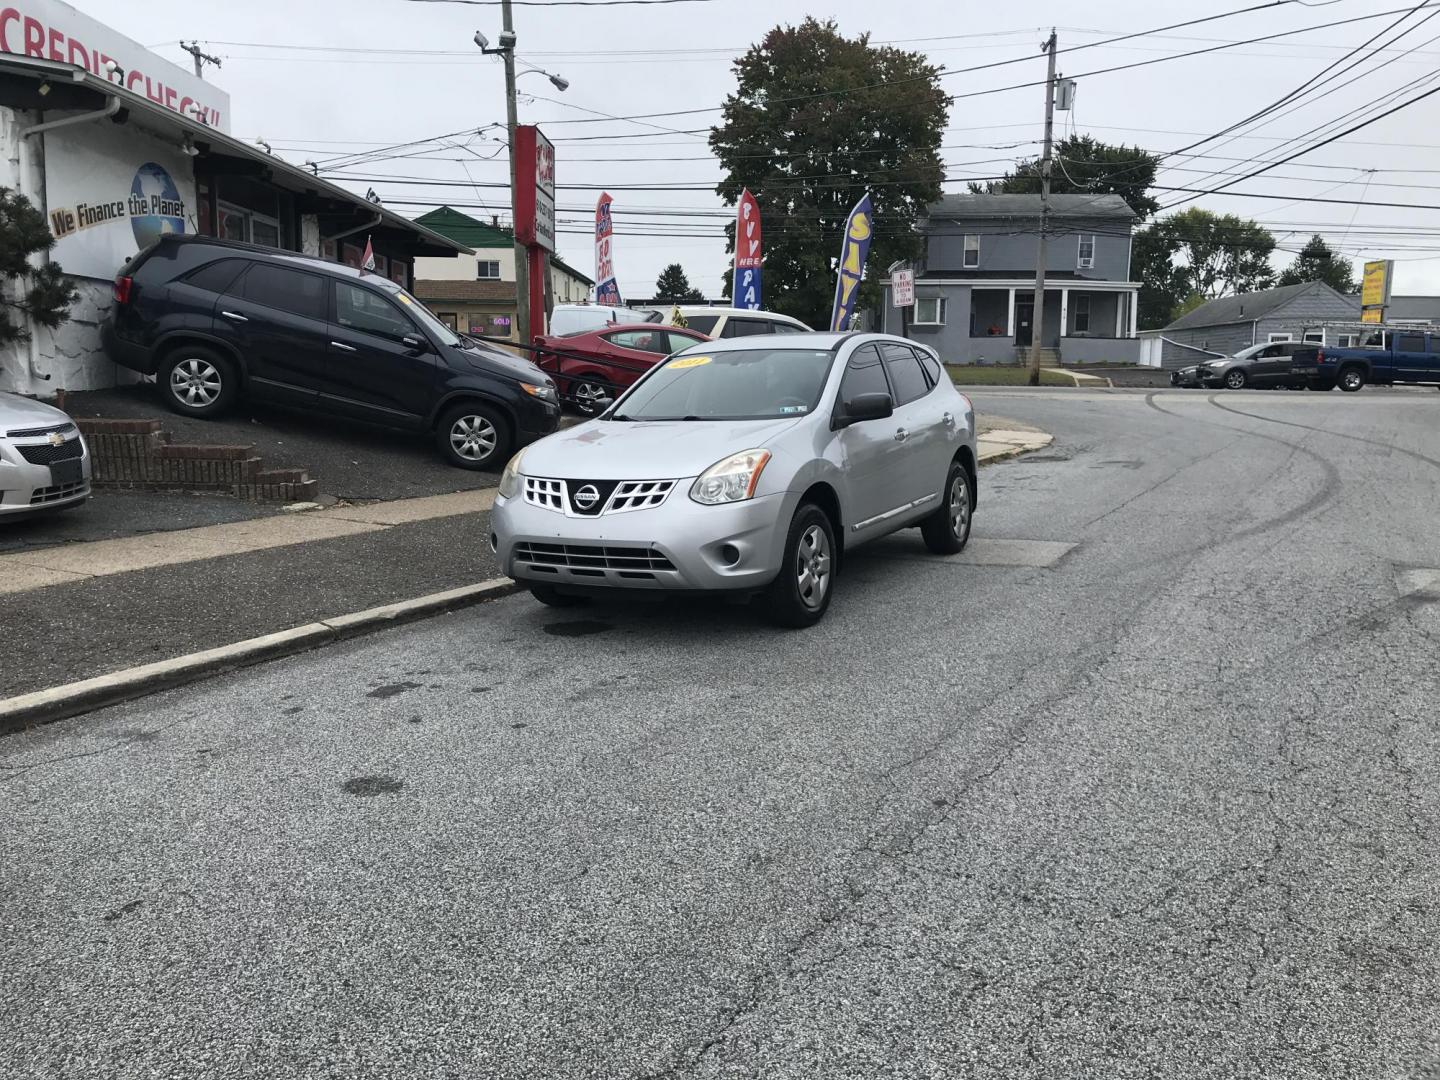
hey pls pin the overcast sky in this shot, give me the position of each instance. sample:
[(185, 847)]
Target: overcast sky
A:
[(626, 60)]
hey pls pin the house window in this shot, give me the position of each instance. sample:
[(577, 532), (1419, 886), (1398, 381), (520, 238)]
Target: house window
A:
[(1086, 258), (1346, 341), (929, 311), (972, 252), (1314, 337), (1280, 337), (246, 225), (1082, 314), (488, 270)]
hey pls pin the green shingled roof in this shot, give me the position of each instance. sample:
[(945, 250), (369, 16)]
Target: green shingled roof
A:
[(464, 229)]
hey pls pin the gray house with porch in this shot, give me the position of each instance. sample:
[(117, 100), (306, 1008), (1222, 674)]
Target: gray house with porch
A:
[(1224, 326), (975, 287)]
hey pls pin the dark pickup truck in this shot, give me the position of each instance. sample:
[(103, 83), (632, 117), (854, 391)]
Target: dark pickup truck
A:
[(1390, 356)]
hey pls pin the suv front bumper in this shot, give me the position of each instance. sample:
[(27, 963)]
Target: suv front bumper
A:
[(679, 545)]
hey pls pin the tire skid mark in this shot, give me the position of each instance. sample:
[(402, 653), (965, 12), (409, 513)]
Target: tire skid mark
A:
[(1326, 431)]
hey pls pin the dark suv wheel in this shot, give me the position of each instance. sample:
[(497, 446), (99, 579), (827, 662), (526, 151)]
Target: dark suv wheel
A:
[(197, 381), (473, 435)]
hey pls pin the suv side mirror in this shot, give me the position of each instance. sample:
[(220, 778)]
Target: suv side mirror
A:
[(862, 407), (416, 342)]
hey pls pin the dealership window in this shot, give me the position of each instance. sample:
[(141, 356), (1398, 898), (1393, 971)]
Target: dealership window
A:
[(488, 270), (1086, 257), (972, 251), (1280, 337), (248, 226), (449, 319), (1082, 314), (929, 311)]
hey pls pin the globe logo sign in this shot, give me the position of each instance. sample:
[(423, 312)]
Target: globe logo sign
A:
[(156, 207)]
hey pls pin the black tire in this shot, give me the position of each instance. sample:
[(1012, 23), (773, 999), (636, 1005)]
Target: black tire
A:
[(1235, 380), (473, 435), (790, 601), (947, 530), (553, 597), (194, 380), (1352, 379)]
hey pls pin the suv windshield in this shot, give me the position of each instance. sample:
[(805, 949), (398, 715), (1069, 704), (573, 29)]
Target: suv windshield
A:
[(421, 313), (748, 384)]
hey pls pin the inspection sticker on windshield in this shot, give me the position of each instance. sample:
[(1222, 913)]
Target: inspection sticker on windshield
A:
[(690, 361), (792, 408)]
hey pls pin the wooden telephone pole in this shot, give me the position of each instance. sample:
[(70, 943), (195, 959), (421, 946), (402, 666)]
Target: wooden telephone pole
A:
[(1037, 321)]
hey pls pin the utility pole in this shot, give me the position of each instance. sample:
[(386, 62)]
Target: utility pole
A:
[(522, 256), (1037, 320), (201, 58)]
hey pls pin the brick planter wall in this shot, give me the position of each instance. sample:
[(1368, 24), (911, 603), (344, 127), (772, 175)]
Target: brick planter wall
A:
[(139, 454)]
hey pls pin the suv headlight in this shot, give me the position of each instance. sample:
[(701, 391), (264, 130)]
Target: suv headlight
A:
[(544, 393), (510, 478), (731, 479)]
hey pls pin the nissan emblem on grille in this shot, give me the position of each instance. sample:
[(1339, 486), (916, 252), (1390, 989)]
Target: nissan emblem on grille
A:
[(587, 497)]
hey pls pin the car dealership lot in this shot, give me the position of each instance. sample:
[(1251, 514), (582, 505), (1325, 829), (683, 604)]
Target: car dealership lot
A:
[(989, 819)]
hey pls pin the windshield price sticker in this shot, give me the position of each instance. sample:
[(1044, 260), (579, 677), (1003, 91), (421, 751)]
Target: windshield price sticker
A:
[(689, 362)]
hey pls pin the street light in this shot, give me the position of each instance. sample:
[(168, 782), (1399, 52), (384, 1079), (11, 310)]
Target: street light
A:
[(505, 49), (558, 81)]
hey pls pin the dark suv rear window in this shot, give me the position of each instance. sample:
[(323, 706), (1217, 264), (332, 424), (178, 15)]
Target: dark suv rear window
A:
[(286, 290), (215, 277)]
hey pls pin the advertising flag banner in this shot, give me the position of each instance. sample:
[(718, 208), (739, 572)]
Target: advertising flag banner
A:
[(859, 228), (367, 261), (745, 288), (606, 290)]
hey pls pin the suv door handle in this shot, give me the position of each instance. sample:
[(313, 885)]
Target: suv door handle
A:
[(901, 434), (235, 316), (346, 348)]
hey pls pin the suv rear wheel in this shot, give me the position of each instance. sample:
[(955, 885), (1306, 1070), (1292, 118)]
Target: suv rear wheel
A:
[(197, 381), (473, 435), (947, 530)]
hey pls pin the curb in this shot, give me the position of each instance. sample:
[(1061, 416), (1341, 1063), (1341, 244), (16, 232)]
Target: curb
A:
[(71, 699)]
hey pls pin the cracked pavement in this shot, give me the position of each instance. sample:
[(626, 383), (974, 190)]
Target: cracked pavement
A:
[(1168, 808)]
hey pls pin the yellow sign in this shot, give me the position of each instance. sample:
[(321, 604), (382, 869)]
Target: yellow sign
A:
[(1371, 314), (1375, 285), (688, 362)]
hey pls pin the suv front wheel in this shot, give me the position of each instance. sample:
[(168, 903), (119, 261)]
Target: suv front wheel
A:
[(473, 435), (197, 381)]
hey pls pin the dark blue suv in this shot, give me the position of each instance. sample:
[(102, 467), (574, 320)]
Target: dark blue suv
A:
[(214, 319)]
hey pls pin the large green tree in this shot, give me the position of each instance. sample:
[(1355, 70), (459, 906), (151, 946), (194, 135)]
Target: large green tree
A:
[(1084, 165), (1222, 254), (816, 120), (1317, 261), (42, 293), (1163, 282), (672, 284)]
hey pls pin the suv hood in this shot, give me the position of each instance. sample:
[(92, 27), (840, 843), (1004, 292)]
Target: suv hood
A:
[(647, 449), (496, 362)]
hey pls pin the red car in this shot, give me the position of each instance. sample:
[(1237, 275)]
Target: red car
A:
[(595, 364)]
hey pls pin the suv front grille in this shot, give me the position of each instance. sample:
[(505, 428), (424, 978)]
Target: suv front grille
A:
[(37, 432), (606, 496), (45, 454), (584, 557)]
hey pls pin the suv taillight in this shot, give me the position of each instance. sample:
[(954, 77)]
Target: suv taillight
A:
[(123, 285)]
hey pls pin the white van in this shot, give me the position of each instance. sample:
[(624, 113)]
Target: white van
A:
[(578, 318), (725, 322)]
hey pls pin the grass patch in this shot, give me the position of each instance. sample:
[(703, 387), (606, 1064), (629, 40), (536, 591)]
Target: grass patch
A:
[(1007, 375)]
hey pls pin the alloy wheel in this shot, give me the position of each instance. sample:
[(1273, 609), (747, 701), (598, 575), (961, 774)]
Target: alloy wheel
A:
[(473, 437), (587, 397), (1235, 380), (812, 567), (959, 507), (195, 383)]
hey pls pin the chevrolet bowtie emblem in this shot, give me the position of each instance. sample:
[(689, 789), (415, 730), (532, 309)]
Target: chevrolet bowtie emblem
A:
[(56, 439)]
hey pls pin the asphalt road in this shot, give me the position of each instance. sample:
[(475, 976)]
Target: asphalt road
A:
[(1165, 808)]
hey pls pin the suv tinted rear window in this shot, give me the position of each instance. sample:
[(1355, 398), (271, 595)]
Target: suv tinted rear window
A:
[(215, 277), (284, 289), (701, 324), (906, 374)]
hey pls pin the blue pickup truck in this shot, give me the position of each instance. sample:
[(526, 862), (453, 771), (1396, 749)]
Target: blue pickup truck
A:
[(1388, 356)]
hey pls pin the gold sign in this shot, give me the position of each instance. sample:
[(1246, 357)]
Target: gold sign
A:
[(1371, 314)]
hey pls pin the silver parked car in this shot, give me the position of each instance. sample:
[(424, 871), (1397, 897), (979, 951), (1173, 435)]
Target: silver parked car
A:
[(752, 465), (44, 463)]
